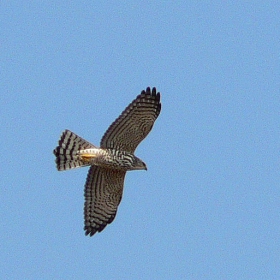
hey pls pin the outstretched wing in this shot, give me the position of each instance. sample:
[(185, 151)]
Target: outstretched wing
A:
[(134, 123), (103, 193)]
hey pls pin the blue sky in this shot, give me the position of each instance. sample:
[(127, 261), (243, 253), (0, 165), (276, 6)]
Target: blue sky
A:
[(208, 206)]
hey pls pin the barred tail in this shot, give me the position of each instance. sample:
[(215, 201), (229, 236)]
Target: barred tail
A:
[(67, 151)]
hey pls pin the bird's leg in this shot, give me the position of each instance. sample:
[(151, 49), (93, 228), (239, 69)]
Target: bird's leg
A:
[(88, 154)]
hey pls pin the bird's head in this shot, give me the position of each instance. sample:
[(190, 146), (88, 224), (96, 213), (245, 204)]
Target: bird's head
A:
[(138, 164)]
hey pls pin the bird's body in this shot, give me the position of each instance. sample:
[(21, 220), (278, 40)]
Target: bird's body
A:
[(107, 158), (111, 158), (109, 163)]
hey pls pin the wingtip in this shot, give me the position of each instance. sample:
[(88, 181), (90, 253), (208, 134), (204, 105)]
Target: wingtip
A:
[(89, 231), (158, 96), (152, 92)]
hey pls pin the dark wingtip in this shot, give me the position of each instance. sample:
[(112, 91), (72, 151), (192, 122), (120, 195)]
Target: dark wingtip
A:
[(157, 96), (89, 231), (152, 92)]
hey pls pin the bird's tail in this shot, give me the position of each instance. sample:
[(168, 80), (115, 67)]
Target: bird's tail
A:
[(67, 151)]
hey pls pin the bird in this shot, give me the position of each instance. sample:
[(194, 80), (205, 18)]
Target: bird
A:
[(109, 163)]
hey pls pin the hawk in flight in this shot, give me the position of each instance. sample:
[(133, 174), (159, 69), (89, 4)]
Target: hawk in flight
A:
[(109, 163)]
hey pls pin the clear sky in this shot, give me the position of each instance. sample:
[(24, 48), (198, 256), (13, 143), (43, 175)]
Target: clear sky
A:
[(209, 205)]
